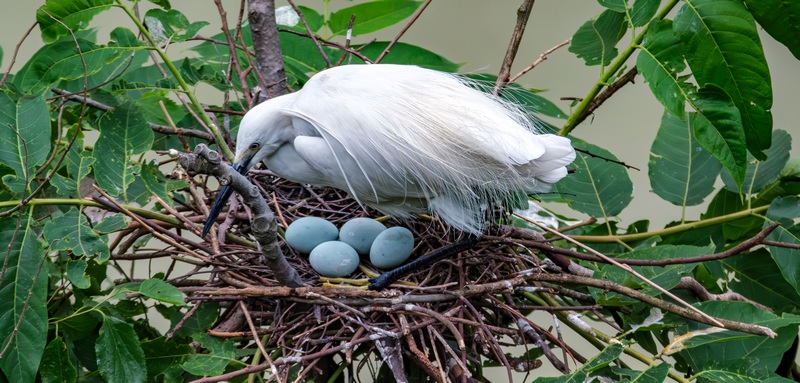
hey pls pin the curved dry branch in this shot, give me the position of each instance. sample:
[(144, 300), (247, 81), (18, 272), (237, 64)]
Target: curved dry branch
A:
[(264, 226)]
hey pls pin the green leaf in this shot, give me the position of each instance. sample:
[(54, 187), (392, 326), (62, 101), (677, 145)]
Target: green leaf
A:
[(220, 352), (203, 318), (62, 60), (403, 53), (123, 133), (24, 137), (162, 3), (660, 60), (595, 41), (58, 18), (759, 352), (718, 129), (119, 354), (78, 164), (655, 374), (721, 44), (781, 19), (761, 173), (643, 11), (758, 277), (158, 184), (639, 13), (598, 187), (371, 16), (162, 291), (56, 366), (727, 202), (664, 276), (164, 357), (784, 211), (169, 26), (76, 273), (614, 5), (111, 224), (603, 359), (23, 293), (680, 171), (71, 231)]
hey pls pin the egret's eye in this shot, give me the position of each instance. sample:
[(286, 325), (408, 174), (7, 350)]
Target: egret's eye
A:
[(254, 146)]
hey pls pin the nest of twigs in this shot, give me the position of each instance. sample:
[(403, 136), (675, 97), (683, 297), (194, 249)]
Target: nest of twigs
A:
[(444, 322)]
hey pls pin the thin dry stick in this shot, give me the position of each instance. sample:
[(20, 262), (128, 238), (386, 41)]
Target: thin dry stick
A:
[(16, 51), (414, 18), (538, 61), (311, 34), (523, 14), (263, 350), (152, 230), (626, 268)]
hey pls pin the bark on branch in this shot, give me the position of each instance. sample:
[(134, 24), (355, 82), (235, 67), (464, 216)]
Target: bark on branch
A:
[(263, 226)]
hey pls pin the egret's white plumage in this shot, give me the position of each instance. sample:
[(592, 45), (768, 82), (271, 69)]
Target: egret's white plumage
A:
[(403, 140)]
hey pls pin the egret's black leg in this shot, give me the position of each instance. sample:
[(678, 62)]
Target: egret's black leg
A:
[(384, 280)]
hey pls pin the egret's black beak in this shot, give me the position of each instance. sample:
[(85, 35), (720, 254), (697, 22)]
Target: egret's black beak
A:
[(223, 196)]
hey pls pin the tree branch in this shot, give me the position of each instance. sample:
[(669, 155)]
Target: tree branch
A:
[(269, 59), (523, 14), (264, 226)]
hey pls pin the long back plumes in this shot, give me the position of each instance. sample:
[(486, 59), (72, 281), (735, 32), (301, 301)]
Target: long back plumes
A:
[(421, 135)]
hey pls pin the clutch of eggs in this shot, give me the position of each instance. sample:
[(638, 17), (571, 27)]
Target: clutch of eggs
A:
[(335, 253)]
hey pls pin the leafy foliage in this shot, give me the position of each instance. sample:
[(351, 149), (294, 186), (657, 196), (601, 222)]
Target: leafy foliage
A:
[(78, 298)]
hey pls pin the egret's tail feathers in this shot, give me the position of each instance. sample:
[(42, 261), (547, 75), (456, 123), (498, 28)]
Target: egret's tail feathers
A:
[(451, 210), (551, 166)]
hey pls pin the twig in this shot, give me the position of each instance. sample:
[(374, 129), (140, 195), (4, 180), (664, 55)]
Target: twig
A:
[(410, 22), (692, 284), (523, 14), (156, 128), (256, 339), (234, 58), (609, 91), (311, 34), (538, 61), (626, 268), (16, 51)]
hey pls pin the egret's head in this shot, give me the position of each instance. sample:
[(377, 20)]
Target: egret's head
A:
[(261, 132)]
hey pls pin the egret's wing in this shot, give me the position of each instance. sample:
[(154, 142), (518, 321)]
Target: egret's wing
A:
[(410, 131)]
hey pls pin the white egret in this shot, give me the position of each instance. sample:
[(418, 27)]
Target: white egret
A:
[(404, 140)]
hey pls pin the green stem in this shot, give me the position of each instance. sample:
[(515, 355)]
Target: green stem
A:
[(612, 70), (149, 214), (671, 230), (89, 203), (198, 107), (600, 340)]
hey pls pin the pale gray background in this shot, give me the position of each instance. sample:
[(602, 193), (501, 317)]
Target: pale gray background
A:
[(476, 33)]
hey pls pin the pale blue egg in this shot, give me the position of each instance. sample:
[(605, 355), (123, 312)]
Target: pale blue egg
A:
[(360, 233), (304, 234), (334, 259), (391, 248)]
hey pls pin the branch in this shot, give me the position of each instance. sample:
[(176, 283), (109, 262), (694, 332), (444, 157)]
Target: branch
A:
[(694, 286), (580, 110), (264, 226), (163, 129), (414, 18), (609, 91), (523, 14), (269, 60)]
